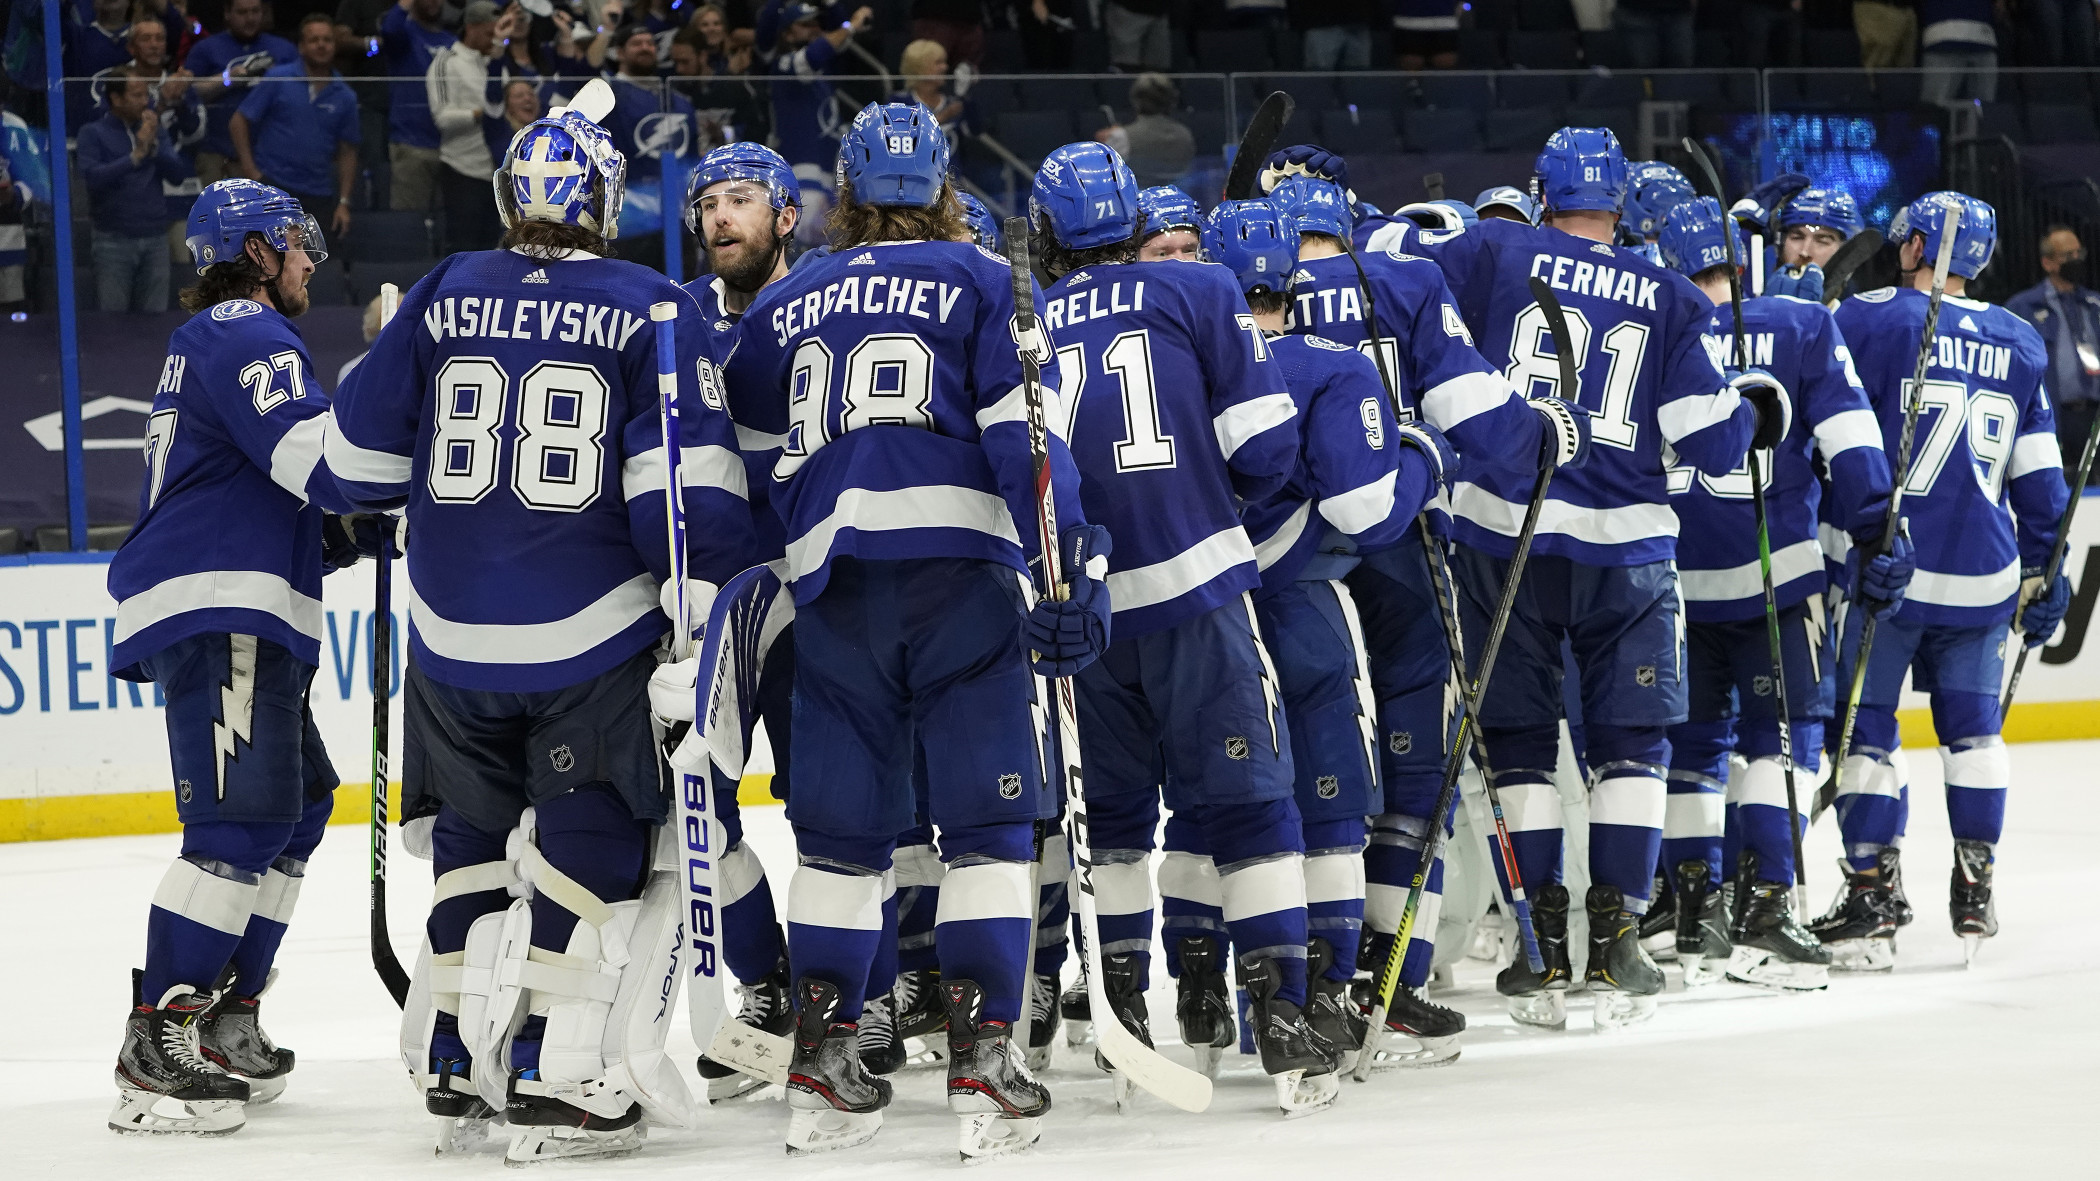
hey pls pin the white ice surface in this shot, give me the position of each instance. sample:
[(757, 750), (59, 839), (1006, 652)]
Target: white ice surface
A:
[(1931, 1072)]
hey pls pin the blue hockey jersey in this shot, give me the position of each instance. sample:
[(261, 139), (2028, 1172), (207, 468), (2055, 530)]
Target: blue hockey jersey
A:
[(889, 377), (512, 405), (1178, 411), (1349, 467), (1985, 441), (229, 527), (1719, 578), (769, 534), (1645, 375)]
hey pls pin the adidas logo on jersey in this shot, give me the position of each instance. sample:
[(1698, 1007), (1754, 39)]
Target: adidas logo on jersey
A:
[(1303, 276), (1969, 322), (537, 276), (863, 259), (1601, 248)]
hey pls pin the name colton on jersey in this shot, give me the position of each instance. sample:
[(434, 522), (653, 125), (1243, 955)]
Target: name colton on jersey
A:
[(1595, 279), (497, 318)]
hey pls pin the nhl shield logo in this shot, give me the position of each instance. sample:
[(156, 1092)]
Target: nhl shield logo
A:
[(1400, 742), (1010, 786), (1761, 685), (564, 758), (1236, 747), (1644, 676), (1327, 787), (182, 792)]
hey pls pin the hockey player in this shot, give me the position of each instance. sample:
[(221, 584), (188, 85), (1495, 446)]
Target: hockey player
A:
[(1811, 227), (1728, 668), (1365, 476), (512, 405), (1423, 346), (1653, 188), (1600, 575), (907, 488), (984, 228), (218, 591), (1177, 410), (1174, 225), (1372, 230), (1983, 495)]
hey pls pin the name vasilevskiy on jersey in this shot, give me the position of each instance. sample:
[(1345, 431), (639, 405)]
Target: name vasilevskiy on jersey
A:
[(563, 320), (1595, 280), (858, 293)]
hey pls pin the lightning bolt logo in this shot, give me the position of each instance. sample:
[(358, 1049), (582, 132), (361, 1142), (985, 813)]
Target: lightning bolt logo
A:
[(236, 720)]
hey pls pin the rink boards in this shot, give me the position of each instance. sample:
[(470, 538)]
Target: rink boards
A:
[(84, 754)]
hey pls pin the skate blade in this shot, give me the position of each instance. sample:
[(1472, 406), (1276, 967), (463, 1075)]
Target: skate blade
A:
[(1618, 1010), (539, 1144), (461, 1136), (1547, 1010), (1661, 948), (988, 1134), (148, 1113), (1078, 1031), (827, 1129), (1759, 968), (1970, 945), (733, 1086), (1208, 1060), (1300, 1094), (264, 1090), (1400, 1050), (1700, 970), (925, 1051), (1862, 955)]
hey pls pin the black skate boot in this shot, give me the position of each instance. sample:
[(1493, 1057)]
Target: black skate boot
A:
[(920, 1016), (1702, 929), (1126, 1002), (1541, 998), (1001, 1104), (1306, 1068), (1735, 894), (1327, 1006), (231, 1034), (1890, 862), (1859, 930), (832, 1099), (1203, 1003), (1969, 897), (1775, 951), (1076, 1009), (1413, 1017), (765, 1006), (467, 1117), (881, 1050), (1621, 976), (1370, 968), (1659, 925), (1042, 1021), (160, 1066)]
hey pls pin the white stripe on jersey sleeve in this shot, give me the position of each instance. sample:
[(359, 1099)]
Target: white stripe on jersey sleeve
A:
[(1845, 430), (250, 590), (1165, 581), (698, 467), (930, 506), (2037, 452), (1597, 526), (351, 462), (293, 460), (1360, 508), (1965, 590), (536, 643), (1464, 396), (1270, 550), (1696, 412), (1836, 543), (1014, 408), (1244, 421), (1746, 581), (748, 440)]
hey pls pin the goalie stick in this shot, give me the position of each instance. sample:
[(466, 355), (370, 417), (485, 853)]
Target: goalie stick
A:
[(384, 961), (1256, 143)]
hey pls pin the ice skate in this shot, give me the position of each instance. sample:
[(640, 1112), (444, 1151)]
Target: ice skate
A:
[(1621, 976), (1042, 1021), (231, 1034), (1777, 952), (833, 1101), (765, 1006), (881, 1050), (165, 1083), (1701, 936), (1076, 1010), (1126, 1001), (1001, 1104), (465, 1120), (1969, 901), (920, 1017), (1328, 1008), (1890, 862), (545, 1129), (1541, 999), (1203, 1003), (1306, 1070), (1431, 1028), (1659, 925), (1859, 930)]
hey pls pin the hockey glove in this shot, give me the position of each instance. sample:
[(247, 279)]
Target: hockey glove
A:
[(1804, 282), (338, 548), (1443, 461), (1567, 434), (1064, 636), (1758, 211), (1886, 578), (1305, 160), (699, 599), (1775, 410), (2041, 609), (671, 689)]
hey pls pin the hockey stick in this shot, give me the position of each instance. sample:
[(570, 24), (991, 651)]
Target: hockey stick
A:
[(1468, 725), (2057, 554), (1454, 638), (1256, 143), (1914, 405), (1433, 184), (1849, 258), (1140, 1063), (384, 961), (1774, 645)]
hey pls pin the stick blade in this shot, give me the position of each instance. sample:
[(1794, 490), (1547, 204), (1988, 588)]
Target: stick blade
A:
[(1150, 1070), (1848, 259), (1256, 144), (753, 1051)]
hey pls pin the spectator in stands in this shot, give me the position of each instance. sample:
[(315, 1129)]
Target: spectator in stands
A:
[(1888, 33), (2067, 314), (925, 69), (93, 49), (184, 30), (2059, 32), (458, 89), (639, 99), (409, 40), (147, 39), (1958, 46), (710, 29), (1158, 147), (1425, 34), (125, 156), (1771, 31), (1338, 32), (357, 59), (1047, 29), (1655, 34), (25, 179), (1139, 36), (727, 105), (298, 129), (806, 121), (225, 66), (521, 105), (957, 25)]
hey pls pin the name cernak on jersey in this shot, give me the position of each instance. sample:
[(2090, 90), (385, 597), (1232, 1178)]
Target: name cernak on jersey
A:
[(531, 319), (1595, 279), (1081, 306), (871, 295)]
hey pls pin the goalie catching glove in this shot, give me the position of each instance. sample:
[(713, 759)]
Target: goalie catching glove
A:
[(1066, 635)]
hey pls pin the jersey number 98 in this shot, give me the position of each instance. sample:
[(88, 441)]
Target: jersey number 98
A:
[(887, 381)]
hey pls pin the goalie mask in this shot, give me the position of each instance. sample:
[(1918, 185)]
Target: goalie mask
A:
[(563, 169)]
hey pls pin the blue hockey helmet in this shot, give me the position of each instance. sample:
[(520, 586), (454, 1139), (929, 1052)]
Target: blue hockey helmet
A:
[(1312, 206), (1509, 197), (563, 168), (1089, 195), (1256, 242), (1974, 238), (1690, 238), (229, 210), (756, 163), (1581, 168), (1832, 209), (894, 154), (984, 228), (1165, 208), (1650, 198)]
